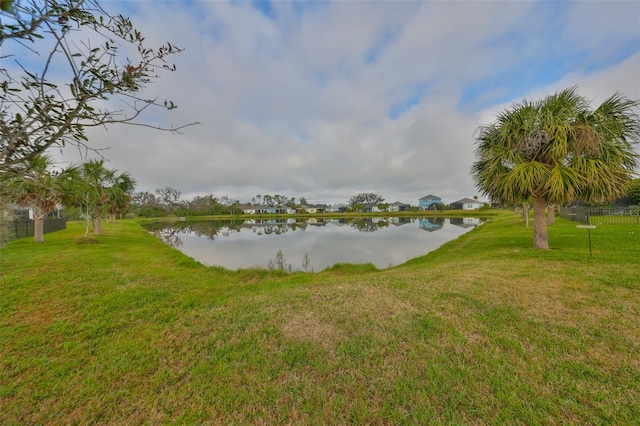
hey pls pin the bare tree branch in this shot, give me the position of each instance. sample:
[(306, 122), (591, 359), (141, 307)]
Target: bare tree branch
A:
[(37, 113)]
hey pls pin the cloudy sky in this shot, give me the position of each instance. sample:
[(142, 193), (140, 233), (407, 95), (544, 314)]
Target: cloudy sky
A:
[(327, 99)]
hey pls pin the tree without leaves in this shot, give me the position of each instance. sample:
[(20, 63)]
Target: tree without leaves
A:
[(146, 204), (169, 198), (144, 198), (203, 205), (36, 112), (229, 205), (557, 150)]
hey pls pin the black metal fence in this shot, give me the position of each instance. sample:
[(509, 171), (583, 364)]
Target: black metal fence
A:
[(628, 215), (22, 228)]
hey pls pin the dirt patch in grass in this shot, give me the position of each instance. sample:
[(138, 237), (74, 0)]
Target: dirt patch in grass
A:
[(86, 240), (307, 327), (360, 303)]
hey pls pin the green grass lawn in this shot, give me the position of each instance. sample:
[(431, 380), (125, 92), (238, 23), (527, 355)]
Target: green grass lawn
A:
[(485, 330)]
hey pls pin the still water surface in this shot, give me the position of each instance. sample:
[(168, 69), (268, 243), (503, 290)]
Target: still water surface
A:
[(311, 244)]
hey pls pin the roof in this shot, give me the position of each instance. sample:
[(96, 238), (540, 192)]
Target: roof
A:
[(467, 200), (261, 207), (429, 197)]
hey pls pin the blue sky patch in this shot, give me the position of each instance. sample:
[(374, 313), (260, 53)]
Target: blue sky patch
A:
[(380, 45), (417, 93), (265, 7)]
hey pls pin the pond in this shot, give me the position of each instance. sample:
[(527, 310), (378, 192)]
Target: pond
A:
[(311, 244)]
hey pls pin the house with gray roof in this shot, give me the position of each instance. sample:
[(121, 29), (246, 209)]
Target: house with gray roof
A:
[(466, 204), (398, 207)]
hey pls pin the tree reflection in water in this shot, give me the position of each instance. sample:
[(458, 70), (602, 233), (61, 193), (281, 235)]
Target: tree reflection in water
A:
[(169, 232)]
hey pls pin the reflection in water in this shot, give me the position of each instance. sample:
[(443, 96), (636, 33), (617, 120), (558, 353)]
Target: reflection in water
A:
[(170, 233), (367, 224), (465, 222), (431, 224), (310, 244)]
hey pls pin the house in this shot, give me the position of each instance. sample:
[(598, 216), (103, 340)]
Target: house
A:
[(371, 207), (466, 204), (276, 209), (316, 208), (262, 209), (338, 208), (257, 209), (429, 202), (398, 207), (247, 209)]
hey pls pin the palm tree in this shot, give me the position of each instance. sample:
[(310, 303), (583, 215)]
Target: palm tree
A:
[(119, 194), (38, 188), (557, 150), (101, 191), (97, 179)]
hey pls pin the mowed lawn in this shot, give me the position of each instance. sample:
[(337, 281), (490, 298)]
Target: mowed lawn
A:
[(485, 330)]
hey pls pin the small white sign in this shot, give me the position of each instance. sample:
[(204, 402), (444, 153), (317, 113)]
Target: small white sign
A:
[(586, 226)]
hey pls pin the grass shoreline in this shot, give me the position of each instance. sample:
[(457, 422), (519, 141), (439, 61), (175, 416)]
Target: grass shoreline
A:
[(484, 330)]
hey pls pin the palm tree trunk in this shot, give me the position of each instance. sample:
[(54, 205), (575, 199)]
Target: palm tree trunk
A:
[(38, 227), (540, 236), (525, 213), (97, 225), (551, 215)]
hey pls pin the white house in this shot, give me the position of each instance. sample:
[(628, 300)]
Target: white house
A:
[(466, 204), (398, 207)]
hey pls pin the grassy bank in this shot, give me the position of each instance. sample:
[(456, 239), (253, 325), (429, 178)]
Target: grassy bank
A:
[(484, 330)]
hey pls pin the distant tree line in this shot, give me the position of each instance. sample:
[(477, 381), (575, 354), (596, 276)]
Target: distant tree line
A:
[(277, 200), (166, 202)]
